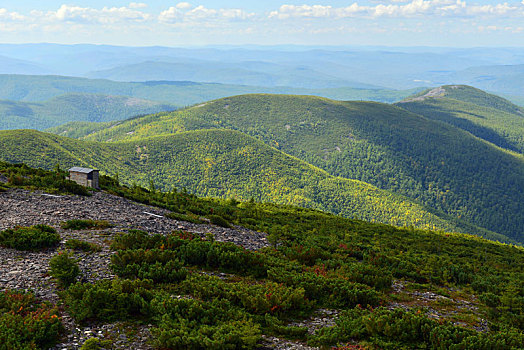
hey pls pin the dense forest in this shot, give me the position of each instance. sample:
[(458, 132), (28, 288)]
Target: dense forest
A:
[(486, 116), (436, 164), (225, 163), (196, 292)]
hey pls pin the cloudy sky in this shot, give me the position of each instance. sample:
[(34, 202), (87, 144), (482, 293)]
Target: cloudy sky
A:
[(267, 22)]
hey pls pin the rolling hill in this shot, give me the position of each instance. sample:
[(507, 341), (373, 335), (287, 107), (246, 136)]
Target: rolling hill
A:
[(434, 163), (74, 106), (227, 164), (484, 115)]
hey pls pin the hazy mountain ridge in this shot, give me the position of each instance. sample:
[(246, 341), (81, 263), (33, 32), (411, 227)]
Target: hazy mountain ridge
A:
[(74, 106), (394, 68)]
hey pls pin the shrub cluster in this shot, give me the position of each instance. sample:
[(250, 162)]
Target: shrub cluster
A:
[(80, 224), (194, 324), (109, 300), (64, 268), (27, 324), (84, 246), (189, 250), (412, 329), (29, 238)]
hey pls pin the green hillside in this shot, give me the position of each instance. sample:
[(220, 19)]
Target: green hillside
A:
[(227, 164), (434, 163), (487, 116), (74, 106), (383, 287)]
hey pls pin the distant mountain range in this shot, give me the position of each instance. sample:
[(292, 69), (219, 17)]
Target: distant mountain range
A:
[(493, 69)]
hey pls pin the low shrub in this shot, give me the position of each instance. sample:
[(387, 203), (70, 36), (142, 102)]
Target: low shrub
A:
[(185, 217), (64, 268), (332, 291), (26, 323), (109, 300), (219, 221), (410, 329), (156, 264), (194, 324), (81, 224), (96, 344), (260, 298), (190, 249), (84, 246), (29, 238)]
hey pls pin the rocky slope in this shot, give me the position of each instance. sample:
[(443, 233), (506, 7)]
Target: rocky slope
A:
[(28, 270)]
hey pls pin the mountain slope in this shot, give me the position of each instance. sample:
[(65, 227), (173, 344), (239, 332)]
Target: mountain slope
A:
[(344, 281), (487, 116), (437, 164), (224, 163), (74, 106)]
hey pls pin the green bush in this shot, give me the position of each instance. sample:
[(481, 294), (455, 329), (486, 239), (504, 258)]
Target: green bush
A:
[(261, 298), (193, 324), (219, 221), (64, 268), (411, 329), (156, 264), (84, 246), (109, 300), (96, 344), (185, 217), (29, 238), (80, 224), (26, 323)]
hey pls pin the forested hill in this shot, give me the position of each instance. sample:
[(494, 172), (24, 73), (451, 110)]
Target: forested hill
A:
[(74, 107), (227, 164), (437, 164), (484, 115)]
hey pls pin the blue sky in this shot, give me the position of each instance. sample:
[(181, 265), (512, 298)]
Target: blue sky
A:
[(455, 23)]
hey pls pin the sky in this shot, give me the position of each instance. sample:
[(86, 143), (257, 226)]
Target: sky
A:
[(448, 23)]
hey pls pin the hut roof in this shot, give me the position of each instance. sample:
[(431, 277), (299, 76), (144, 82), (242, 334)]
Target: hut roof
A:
[(77, 169)]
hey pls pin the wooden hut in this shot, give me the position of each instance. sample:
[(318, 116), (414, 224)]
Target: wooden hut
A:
[(84, 176)]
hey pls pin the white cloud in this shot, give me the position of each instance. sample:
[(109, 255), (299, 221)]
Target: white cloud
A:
[(187, 6), (202, 13), (11, 16), (172, 14), (67, 13), (137, 5), (498, 9), (410, 9)]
